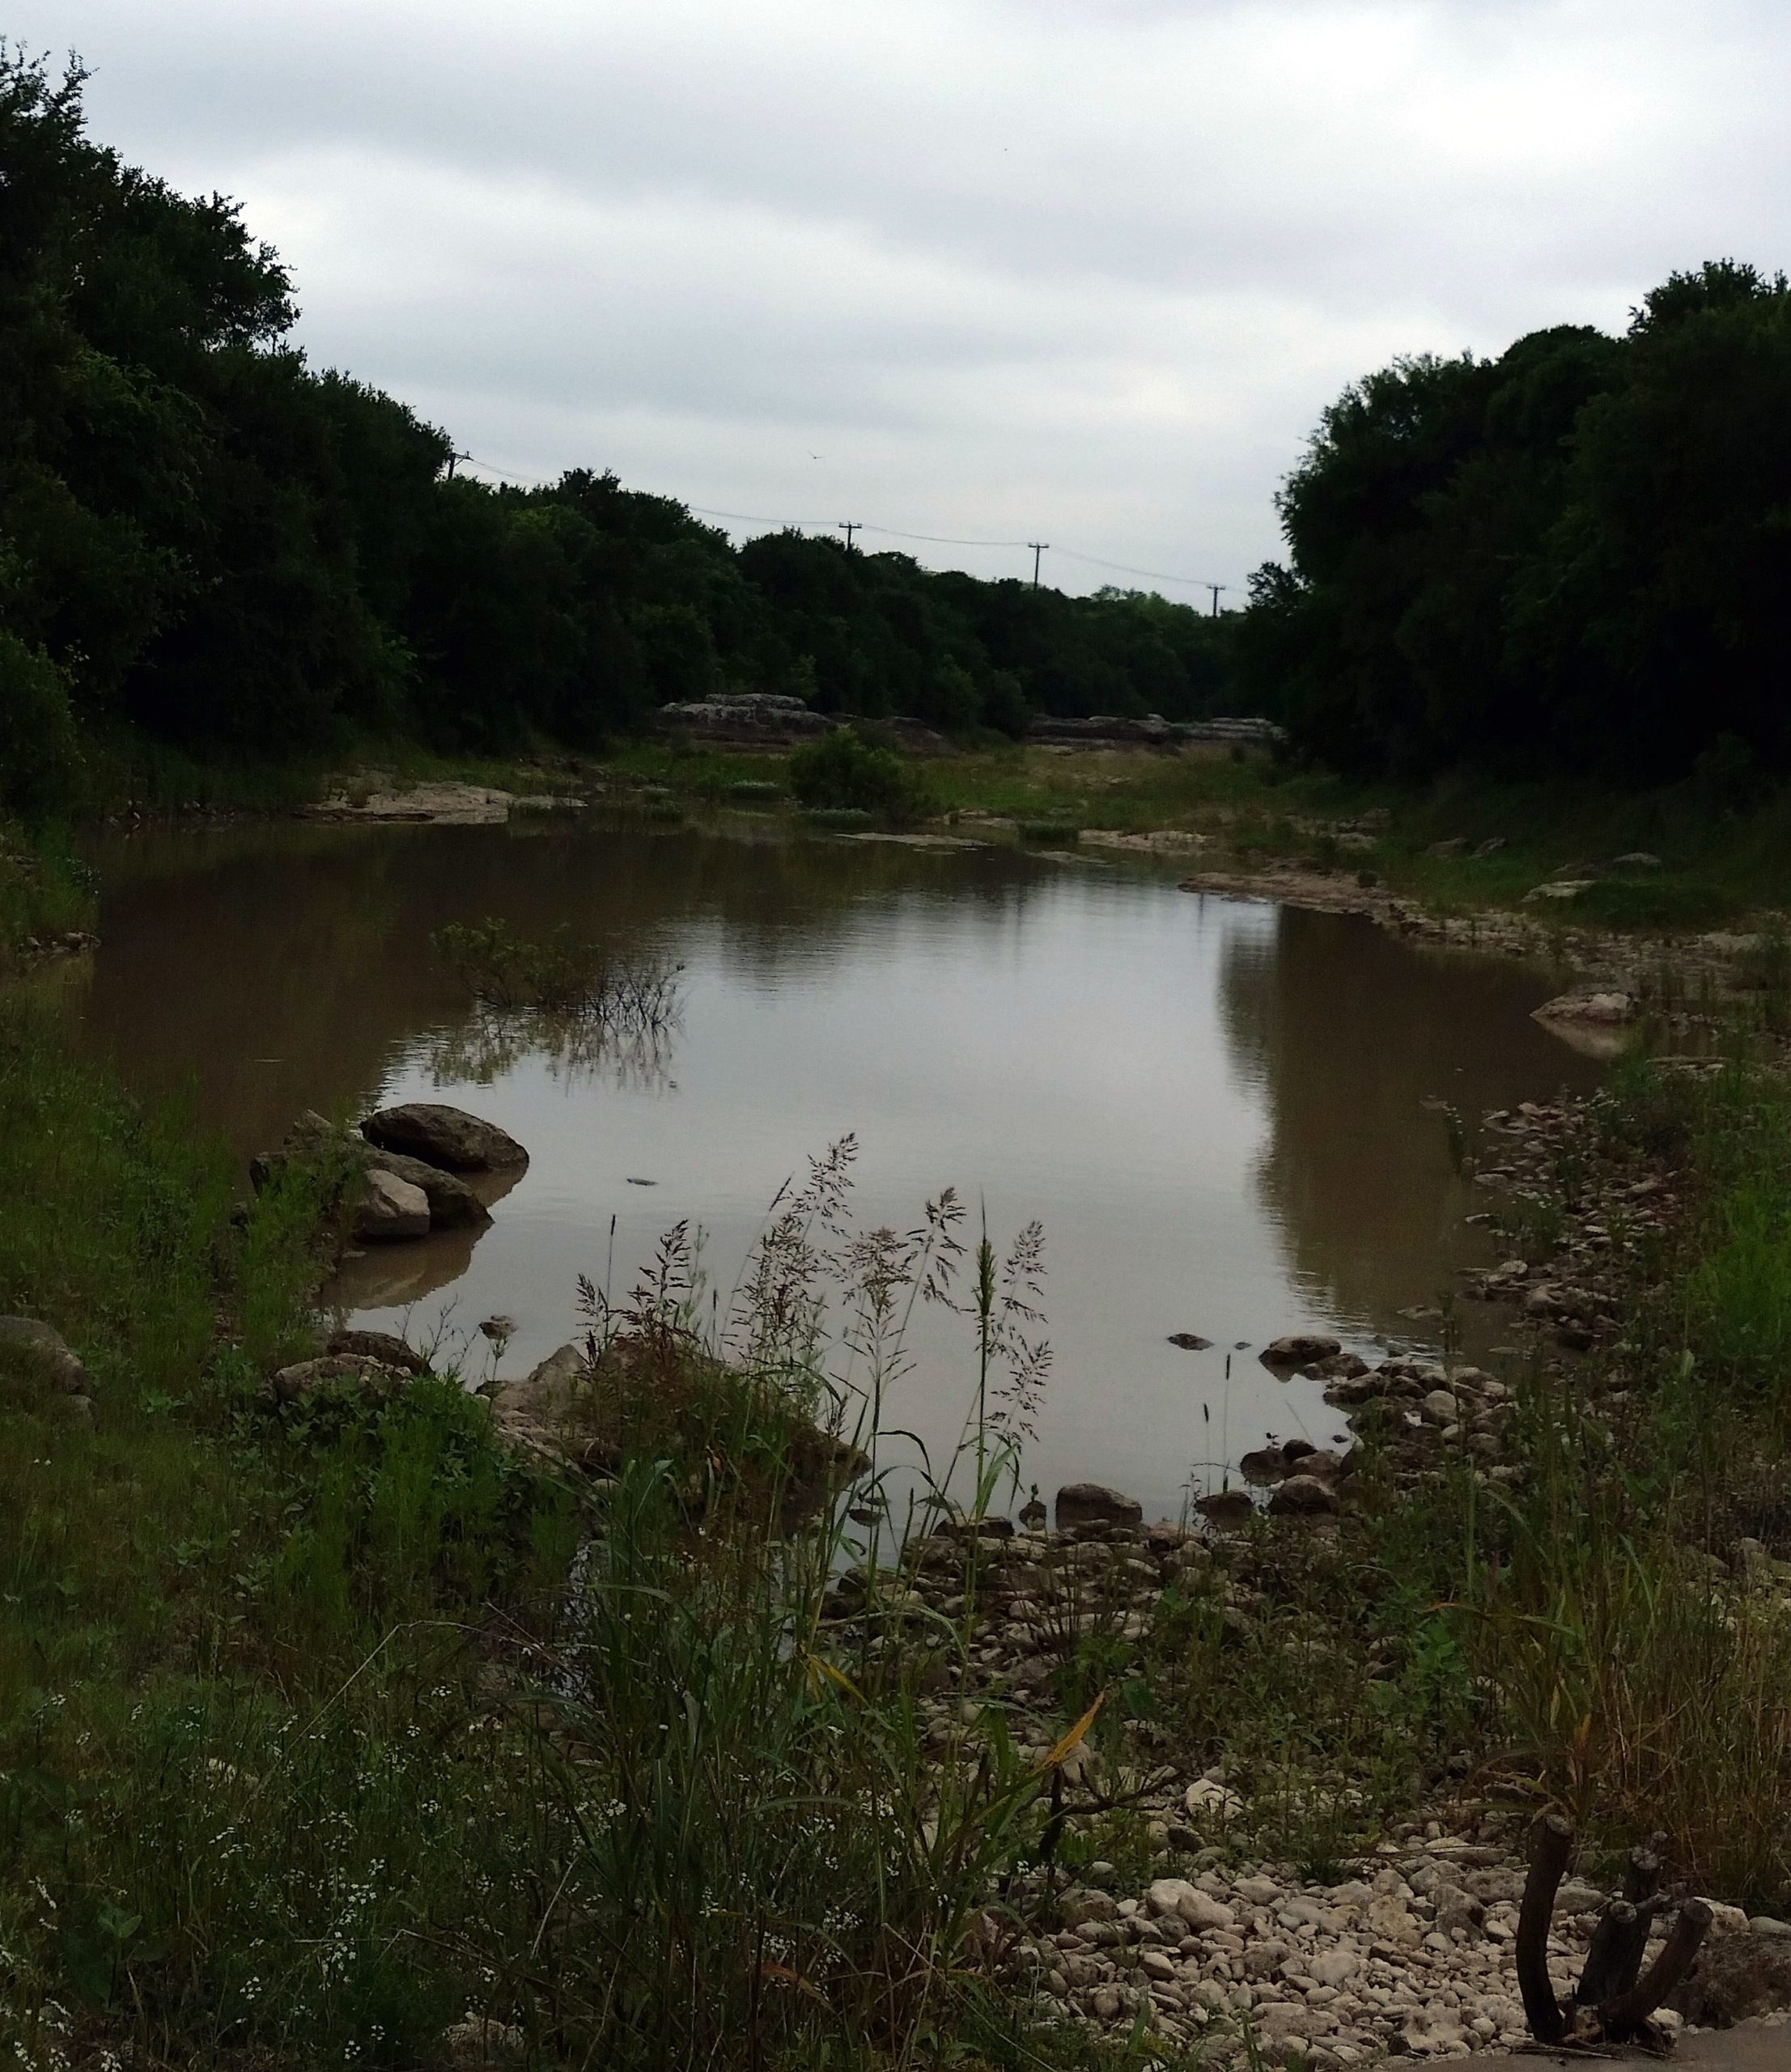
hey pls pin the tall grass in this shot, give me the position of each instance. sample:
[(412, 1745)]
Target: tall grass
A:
[(1623, 1600), (324, 1727)]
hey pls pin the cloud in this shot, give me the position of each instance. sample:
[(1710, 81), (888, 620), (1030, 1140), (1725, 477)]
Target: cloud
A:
[(1077, 269)]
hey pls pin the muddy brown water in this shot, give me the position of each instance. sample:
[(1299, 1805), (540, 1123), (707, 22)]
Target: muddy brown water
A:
[(1223, 1112)]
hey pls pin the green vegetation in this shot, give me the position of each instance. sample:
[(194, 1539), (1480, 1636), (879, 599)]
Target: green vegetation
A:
[(848, 771), (1570, 559), (209, 550), (314, 1742)]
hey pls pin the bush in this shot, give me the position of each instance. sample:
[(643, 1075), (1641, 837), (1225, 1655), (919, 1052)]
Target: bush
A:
[(846, 770), (39, 758)]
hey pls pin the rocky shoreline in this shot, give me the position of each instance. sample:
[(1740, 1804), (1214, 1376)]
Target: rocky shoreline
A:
[(1411, 1948), (1618, 976)]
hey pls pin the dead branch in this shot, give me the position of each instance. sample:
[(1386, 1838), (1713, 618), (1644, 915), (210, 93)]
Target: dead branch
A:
[(1549, 1857), (1621, 2018)]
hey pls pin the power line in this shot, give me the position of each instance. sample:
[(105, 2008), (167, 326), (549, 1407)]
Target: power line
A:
[(939, 539), (1155, 574), (894, 533)]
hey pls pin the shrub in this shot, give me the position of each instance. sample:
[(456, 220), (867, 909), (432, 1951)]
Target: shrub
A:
[(39, 758), (847, 768)]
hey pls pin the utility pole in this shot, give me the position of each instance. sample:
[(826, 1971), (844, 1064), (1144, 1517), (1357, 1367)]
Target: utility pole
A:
[(848, 526), (1216, 588), (452, 456), (1039, 547)]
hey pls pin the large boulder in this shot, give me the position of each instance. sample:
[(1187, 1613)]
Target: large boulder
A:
[(41, 1354), (390, 1208), (1090, 1503), (452, 1203), (444, 1136)]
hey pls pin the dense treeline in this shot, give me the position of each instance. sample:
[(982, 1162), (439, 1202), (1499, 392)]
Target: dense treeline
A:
[(1576, 558), (203, 539)]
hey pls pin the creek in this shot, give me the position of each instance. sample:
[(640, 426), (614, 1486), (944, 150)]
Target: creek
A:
[(1226, 1114)]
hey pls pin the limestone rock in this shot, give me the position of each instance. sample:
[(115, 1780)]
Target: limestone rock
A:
[(1734, 1977), (1204, 1798), (372, 1377), (1165, 1896), (1202, 1912), (1334, 1966), (1091, 1503), (1304, 1496), (1226, 1507), (535, 1410), (444, 1136), (452, 1203), (1299, 1349), (42, 1349), (384, 1346), (390, 1208), (39, 1354), (1607, 1010)]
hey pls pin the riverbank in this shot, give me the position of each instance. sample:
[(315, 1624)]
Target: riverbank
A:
[(300, 1669), (1558, 864)]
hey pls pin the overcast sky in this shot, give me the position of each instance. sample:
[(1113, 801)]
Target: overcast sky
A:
[(1083, 271)]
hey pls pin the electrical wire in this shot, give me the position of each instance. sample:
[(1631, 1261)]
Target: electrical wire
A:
[(1155, 574), (884, 532)]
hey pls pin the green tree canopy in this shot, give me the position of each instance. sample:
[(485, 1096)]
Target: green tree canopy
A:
[(1571, 558)]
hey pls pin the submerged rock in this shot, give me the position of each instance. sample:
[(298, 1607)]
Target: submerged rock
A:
[(452, 1203), (1189, 1341), (1605, 1010), (444, 1136), (1300, 1350)]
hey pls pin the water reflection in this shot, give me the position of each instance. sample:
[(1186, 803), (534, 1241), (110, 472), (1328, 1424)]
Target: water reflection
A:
[(1214, 1109), (399, 1276), (1356, 1041), (576, 1049)]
